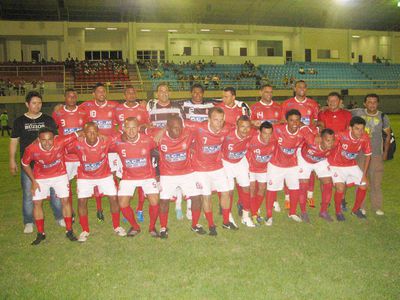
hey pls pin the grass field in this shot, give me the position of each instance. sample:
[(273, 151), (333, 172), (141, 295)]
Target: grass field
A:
[(351, 260)]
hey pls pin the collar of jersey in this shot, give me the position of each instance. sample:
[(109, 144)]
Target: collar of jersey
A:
[(98, 140), (41, 148), (305, 99), (26, 115), (259, 139), (137, 104), (287, 130), (209, 129), (105, 103), (65, 109), (138, 137), (262, 103)]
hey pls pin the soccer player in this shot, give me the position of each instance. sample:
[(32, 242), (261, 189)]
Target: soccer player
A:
[(344, 166), (236, 166), (176, 171), (309, 110), (69, 119), (313, 157), (196, 109), (24, 132), (232, 108), (131, 108), (334, 117), (94, 171), (49, 172), (261, 148), (137, 171), (101, 112), (266, 109), (282, 167), (207, 164)]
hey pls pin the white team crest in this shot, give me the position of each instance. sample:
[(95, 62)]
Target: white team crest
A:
[(184, 146), (345, 146), (308, 112), (276, 114)]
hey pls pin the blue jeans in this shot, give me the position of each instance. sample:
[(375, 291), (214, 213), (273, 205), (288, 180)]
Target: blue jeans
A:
[(27, 204)]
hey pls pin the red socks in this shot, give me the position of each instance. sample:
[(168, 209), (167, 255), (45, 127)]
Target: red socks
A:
[(360, 196), (303, 196), (326, 196), (140, 199), (153, 213), (255, 203), (68, 223), (127, 212), (164, 219), (84, 221), (338, 202), (225, 215), (245, 199), (115, 219), (40, 225), (195, 217), (271, 197), (209, 217), (294, 199)]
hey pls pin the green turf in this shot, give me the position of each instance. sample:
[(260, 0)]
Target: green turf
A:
[(351, 260)]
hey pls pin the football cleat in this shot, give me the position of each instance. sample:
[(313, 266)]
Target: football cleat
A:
[(305, 217), (100, 216), (212, 230), (71, 236), (154, 233), (229, 226), (358, 213), (132, 232), (379, 212), (255, 220), (28, 228), (39, 238), (326, 216), (295, 218), (232, 220), (248, 222), (340, 217), (268, 221), (199, 229), (277, 207), (120, 231), (164, 233), (83, 236)]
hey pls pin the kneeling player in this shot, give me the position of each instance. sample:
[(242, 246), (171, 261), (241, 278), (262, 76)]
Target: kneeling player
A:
[(137, 171), (344, 166), (313, 157), (49, 172), (261, 149), (93, 172)]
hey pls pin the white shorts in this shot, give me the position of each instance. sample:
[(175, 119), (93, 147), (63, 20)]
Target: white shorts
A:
[(60, 184), (348, 175), (212, 181), (127, 187), (72, 168), (239, 170), (321, 168), (276, 176), (187, 184), (105, 185), (259, 177), (115, 164)]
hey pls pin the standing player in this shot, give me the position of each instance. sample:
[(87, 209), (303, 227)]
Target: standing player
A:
[(176, 171), (232, 108), (261, 148), (309, 110), (235, 164), (49, 172), (266, 109), (137, 171), (344, 166), (131, 108), (196, 109), (94, 171), (207, 164), (334, 117), (313, 158), (101, 112), (283, 165), (69, 119)]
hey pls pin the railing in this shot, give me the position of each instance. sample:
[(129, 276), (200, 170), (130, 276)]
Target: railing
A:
[(31, 71)]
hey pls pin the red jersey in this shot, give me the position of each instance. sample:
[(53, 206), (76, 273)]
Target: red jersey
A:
[(267, 112), (50, 163), (285, 155), (348, 148), (313, 153), (235, 148), (175, 154), (103, 115), (69, 121), (231, 113), (308, 108), (260, 154), (336, 120), (93, 159), (135, 157), (207, 146), (123, 111)]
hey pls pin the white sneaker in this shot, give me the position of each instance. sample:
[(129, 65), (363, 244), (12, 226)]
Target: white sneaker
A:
[(363, 211), (120, 231), (61, 223), (295, 218), (379, 212), (28, 228), (248, 222), (277, 207), (189, 214), (268, 222), (232, 220), (83, 236)]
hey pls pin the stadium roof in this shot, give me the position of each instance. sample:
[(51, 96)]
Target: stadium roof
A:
[(351, 14)]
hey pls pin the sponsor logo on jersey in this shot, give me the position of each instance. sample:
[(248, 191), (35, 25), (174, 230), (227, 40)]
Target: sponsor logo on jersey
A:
[(263, 158), (349, 155), (103, 124), (211, 149), (305, 120), (198, 119), (50, 165), (135, 162), (315, 158), (288, 151), (175, 157), (91, 167), (236, 155), (70, 130)]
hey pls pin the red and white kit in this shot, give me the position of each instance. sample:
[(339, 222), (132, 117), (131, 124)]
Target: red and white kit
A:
[(308, 109), (258, 155), (123, 111), (267, 112)]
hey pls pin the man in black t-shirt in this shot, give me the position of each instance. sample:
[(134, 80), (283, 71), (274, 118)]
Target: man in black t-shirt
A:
[(24, 132)]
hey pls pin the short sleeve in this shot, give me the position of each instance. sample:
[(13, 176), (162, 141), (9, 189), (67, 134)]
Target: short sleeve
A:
[(27, 157), (366, 146), (386, 122)]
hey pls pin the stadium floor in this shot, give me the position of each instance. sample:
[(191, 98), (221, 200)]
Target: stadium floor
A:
[(351, 260)]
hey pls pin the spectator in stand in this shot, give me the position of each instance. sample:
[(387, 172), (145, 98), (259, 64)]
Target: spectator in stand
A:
[(4, 123)]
